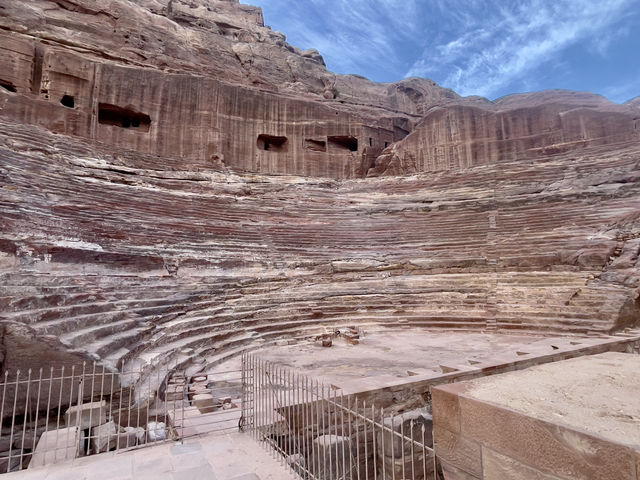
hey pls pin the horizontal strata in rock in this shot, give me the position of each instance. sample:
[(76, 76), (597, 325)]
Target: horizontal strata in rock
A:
[(121, 260), (142, 217)]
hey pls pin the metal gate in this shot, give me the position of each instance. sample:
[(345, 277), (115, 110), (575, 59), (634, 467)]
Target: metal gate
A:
[(320, 433)]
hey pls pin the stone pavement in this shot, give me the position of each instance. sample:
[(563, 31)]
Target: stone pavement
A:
[(234, 456)]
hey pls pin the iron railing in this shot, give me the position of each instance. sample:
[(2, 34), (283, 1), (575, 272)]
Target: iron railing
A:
[(321, 434), (64, 412)]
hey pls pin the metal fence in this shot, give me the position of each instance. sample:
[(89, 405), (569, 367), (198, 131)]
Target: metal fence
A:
[(61, 413), (319, 433), (212, 403)]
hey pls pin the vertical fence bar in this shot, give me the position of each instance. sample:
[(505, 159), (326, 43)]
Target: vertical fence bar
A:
[(35, 425), (46, 425), (324, 433), (185, 399), (350, 437), (312, 423), (110, 409), (366, 452), (139, 402), (13, 419), (320, 452), (78, 413), (383, 455), (71, 390), (291, 418), (424, 457), (4, 392), (393, 453), (81, 401), (343, 433), (404, 475), (375, 443), (27, 412), (333, 430), (357, 438), (120, 421), (413, 458)]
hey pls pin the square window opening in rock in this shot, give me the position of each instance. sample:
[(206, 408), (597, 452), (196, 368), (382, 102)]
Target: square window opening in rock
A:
[(272, 143), (123, 117), (343, 143)]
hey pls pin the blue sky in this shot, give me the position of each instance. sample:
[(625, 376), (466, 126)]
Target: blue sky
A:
[(476, 47)]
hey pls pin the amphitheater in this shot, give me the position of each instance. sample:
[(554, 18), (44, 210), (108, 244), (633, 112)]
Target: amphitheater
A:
[(182, 192)]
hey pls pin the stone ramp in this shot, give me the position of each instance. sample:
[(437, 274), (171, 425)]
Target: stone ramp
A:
[(228, 457)]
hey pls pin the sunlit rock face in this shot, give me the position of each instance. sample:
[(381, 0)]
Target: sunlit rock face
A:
[(517, 127), (179, 183)]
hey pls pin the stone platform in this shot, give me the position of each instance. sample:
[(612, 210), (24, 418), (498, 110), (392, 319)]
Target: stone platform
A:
[(230, 457), (575, 419)]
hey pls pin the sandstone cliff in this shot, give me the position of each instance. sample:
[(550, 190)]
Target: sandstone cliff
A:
[(178, 182)]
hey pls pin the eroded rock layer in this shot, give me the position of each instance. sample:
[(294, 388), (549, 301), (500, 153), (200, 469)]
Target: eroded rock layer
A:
[(461, 136), (126, 256), (177, 183)]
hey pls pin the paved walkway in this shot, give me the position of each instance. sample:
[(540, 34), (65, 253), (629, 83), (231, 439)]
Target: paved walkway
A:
[(228, 457)]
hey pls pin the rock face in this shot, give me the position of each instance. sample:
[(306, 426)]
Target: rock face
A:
[(142, 220), (458, 137)]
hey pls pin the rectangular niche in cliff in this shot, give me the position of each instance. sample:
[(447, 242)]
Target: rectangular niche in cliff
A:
[(315, 145), (347, 143), (271, 143), (123, 117)]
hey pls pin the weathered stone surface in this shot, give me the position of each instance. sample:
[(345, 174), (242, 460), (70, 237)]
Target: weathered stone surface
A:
[(56, 446), (86, 415), (502, 467), (524, 430), (140, 218), (459, 137), (104, 437), (327, 456)]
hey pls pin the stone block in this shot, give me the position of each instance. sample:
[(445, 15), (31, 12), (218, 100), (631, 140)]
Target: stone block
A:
[(495, 465), (204, 402), (328, 452), (128, 437), (452, 473), (458, 451), (87, 415), (104, 437), (446, 409), (548, 447), (156, 432), (410, 424), (56, 446)]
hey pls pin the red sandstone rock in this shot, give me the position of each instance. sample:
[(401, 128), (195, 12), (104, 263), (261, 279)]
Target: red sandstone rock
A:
[(140, 217)]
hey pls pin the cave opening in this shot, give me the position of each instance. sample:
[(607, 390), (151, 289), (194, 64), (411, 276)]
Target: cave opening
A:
[(123, 117), (9, 86), (272, 143), (344, 143), (68, 101)]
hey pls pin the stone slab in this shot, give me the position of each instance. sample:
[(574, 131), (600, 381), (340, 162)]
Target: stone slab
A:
[(86, 415), (56, 446)]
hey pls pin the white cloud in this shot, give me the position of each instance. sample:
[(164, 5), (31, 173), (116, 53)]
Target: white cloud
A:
[(496, 45)]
